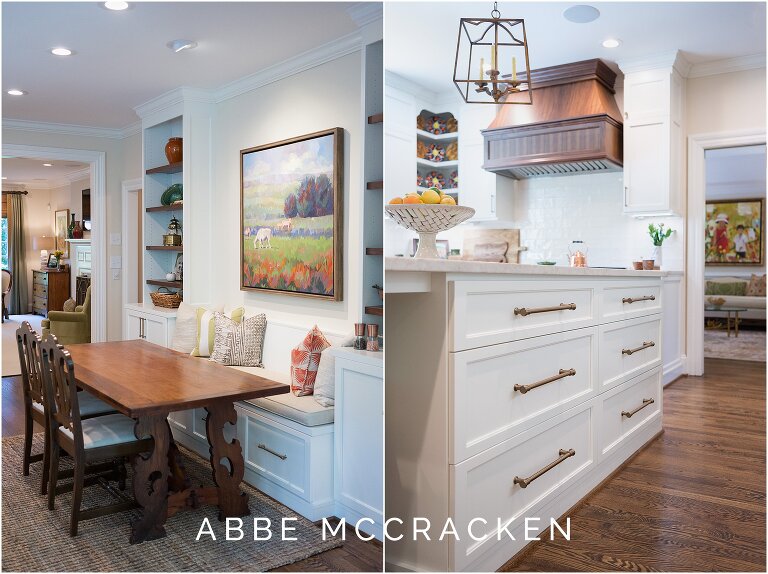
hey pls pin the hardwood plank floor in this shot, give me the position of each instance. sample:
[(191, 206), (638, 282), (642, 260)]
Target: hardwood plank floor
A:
[(692, 500), (354, 556)]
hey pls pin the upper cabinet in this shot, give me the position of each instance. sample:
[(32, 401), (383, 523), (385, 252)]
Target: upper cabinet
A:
[(654, 143)]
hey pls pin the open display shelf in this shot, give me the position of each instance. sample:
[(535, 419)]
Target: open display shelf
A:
[(374, 251), (376, 118), (164, 283), (177, 167), (426, 139), (377, 310), (165, 248), (374, 185), (175, 207)]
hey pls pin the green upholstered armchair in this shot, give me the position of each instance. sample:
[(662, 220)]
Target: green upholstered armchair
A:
[(70, 327)]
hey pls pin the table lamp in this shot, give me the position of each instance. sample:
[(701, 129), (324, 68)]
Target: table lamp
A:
[(44, 243)]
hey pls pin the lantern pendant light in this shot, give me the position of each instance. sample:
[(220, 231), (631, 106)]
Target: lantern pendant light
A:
[(488, 51)]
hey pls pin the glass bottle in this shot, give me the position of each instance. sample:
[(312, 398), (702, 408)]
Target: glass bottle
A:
[(71, 228)]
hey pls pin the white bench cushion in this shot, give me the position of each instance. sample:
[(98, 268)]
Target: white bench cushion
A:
[(105, 431), (303, 410), (89, 405)]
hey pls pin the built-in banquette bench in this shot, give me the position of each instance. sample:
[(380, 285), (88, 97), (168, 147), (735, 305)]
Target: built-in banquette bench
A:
[(288, 441)]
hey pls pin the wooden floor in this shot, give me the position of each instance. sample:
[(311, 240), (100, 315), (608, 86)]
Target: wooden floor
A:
[(354, 556), (693, 500)]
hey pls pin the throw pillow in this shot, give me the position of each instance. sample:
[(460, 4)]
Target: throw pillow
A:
[(69, 305), (206, 330), (756, 286), (305, 358), (325, 392), (239, 344), (185, 332), (733, 288)]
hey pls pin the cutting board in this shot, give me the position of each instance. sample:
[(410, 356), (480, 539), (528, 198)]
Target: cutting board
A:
[(488, 245)]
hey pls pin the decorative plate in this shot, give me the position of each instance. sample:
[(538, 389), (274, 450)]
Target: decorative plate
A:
[(453, 181), (435, 153), (419, 180), (545, 263), (435, 125), (434, 179)]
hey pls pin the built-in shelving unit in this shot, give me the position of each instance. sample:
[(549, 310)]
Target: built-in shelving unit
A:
[(176, 167), (443, 174), (162, 283), (165, 248), (175, 207), (373, 170)]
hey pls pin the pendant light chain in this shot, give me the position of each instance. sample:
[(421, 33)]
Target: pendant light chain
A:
[(495, 14)]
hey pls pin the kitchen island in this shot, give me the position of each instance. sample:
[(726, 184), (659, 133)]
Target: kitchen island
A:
[(511, 392)]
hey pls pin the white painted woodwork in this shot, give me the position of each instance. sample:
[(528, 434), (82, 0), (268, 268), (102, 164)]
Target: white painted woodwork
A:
[(613, 306), (152, 324), (616, 366)]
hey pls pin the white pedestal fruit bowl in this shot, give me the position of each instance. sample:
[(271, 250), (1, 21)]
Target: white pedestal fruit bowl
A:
[(428, 221)]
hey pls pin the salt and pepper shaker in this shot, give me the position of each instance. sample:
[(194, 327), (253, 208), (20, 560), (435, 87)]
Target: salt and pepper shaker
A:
[(373, 337), (360, 342)]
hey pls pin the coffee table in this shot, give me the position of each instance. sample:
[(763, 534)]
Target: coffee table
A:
[(728, 311)]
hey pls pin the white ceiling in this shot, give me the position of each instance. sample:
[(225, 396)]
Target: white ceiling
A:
[(31, 171), (426, 34), (738, 168), (120, 59)]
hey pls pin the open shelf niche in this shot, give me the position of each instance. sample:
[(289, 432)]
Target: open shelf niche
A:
[(437, 138)]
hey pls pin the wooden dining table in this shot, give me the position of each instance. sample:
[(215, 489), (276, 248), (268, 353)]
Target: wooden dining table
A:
[(147, 382)]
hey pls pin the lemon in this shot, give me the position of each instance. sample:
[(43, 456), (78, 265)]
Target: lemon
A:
[(447, 200), (431, 196)]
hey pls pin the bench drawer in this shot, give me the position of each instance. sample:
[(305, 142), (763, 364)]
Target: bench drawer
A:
[(491, 312), (628, 348), (492, 394), (488, 485), (628, 300), (628, 408)]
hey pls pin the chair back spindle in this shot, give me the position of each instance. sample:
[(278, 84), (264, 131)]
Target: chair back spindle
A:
[(61, 388), (28, 343)]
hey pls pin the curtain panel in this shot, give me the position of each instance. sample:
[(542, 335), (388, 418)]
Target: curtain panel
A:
[(17, 264)]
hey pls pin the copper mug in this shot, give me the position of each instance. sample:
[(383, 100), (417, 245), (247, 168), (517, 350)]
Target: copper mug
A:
[(578, 259)]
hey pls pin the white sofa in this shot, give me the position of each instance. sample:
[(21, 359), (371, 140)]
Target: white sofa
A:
[(755, 305)]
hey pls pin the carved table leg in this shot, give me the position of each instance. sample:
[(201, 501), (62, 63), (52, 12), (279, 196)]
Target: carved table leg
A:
[(232, 501), (150, 480)]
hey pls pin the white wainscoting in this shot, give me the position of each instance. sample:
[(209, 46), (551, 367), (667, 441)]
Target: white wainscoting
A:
[(673, 335)]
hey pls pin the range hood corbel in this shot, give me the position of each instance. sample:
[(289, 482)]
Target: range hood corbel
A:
[(573, 127)]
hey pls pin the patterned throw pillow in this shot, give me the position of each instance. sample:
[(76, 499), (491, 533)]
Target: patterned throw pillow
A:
[(305, 358), (239, 344), (756, 286), (733, 288), (206, 330), (69, 305)]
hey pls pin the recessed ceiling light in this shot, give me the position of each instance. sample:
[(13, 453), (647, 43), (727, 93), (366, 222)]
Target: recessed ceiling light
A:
[(15, 92), (611, 43), (179, 45), (581, 14), (47, 165), (61, 52), (116, 5)]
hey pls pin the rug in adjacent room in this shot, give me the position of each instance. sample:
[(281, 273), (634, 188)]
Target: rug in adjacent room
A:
[(36, 539), (748, 346)]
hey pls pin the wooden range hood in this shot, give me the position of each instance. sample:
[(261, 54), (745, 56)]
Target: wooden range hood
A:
[(573, 126)]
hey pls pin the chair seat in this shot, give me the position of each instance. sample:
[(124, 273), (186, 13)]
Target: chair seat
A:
[(89, 405), (105, 431)]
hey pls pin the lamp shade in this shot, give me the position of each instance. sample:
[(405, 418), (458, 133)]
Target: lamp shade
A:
[(42, 242)]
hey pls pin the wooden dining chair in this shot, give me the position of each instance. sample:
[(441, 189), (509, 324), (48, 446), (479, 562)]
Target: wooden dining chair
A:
[(85, 440), (28, 343)]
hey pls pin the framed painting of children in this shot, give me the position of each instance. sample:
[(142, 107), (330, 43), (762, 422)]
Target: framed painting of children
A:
[(734, 232)]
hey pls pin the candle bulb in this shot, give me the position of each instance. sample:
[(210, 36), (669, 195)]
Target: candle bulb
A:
[(482, 69), (493, 57), (514, 69)]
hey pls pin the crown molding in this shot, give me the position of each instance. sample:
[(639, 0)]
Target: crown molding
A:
[(393, 80), (65, 129), (673, 59), (739, 64), (364, 13), (131, 130), (310, 59), (172, 98)]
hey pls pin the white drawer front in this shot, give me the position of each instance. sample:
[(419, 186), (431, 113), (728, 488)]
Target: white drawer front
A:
[(276, 454), (628, 408), (491, 395), (491, 312), (627, 300), (484, 486), (626, 350)]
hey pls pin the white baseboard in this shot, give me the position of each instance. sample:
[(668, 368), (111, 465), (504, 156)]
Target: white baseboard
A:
[(673, 370)]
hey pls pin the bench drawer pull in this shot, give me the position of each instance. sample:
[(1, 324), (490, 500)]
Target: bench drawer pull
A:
[(630, 300), (645, 345), (629, 414), (562, 374), (561, 307), (564, 454), (262, 446)]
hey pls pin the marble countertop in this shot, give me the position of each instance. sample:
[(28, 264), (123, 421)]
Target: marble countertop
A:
[(460, 266)]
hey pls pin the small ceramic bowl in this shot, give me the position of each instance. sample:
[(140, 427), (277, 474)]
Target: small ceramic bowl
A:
[(637, 265), (648, 264)]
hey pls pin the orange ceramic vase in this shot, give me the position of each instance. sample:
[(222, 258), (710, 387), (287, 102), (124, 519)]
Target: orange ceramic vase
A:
[(173, 150)]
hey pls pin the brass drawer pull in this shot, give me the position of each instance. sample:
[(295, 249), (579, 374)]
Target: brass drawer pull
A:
[(563, 373), (645, 345), (630, 300), (262, 446), (561, 307), (629, 414), (524, 482)]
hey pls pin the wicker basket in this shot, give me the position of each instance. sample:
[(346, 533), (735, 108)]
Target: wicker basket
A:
[(428, 221), (163, 297)]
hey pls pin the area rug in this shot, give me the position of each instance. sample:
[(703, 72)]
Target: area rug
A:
[(10, 352), (748, 346), (36, 539)]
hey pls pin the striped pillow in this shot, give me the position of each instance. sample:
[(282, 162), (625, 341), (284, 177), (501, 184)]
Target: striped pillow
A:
[(239, 344), (206, 329), (305, 358)]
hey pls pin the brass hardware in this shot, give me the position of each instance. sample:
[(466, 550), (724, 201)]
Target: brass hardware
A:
[(561, 307), (524, 482), (562, 374), (262, 446), (629, 414), (631, 300), (645, 345)]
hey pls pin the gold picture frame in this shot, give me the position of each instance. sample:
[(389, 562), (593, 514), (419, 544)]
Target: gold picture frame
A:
[(60, 225)]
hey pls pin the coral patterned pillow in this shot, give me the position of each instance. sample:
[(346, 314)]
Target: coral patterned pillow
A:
[(305, 358)]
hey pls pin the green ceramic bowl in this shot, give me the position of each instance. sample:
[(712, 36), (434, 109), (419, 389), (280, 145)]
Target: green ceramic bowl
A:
[(173, 193)]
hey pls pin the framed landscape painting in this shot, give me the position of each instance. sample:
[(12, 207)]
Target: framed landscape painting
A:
[(291, 214), (734, 232), (61, 223)]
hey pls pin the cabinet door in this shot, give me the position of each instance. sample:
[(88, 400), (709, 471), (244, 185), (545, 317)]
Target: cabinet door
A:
[(646, 165), (156, 331), (133, 326), (477, 187)]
